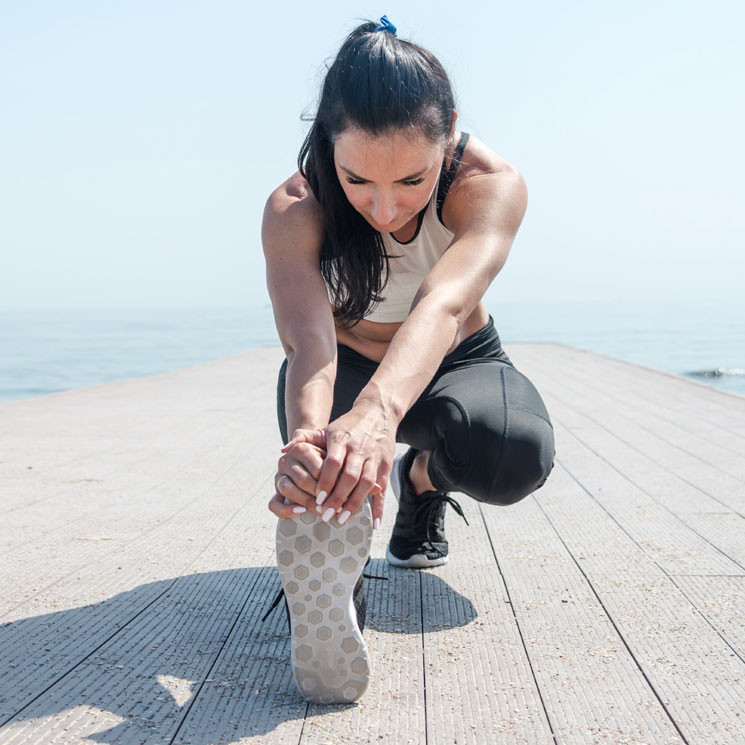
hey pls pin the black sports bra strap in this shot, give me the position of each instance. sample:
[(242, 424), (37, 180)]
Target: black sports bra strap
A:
[(447, 177)]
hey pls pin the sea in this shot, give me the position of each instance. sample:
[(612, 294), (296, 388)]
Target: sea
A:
[(48, 351)]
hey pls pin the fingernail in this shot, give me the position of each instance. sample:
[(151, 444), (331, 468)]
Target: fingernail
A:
[(321, 497), (319, 509), (344, 517), (299, 509), (328, 514), (376, 523)]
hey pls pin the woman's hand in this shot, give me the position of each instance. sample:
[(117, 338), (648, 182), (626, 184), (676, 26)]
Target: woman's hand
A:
[(359, 449), (296, 479)]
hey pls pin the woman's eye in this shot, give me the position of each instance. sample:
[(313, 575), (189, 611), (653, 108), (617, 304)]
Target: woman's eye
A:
[(351, 180), (414, 182)]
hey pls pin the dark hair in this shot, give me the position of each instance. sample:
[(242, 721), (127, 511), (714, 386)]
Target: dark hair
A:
[(378, 83)]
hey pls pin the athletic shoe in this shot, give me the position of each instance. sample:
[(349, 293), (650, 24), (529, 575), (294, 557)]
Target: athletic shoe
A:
[(418, 538), (320, 566)]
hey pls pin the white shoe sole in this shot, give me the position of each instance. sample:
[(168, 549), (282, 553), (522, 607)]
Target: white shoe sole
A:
[(416, 561), (319, 564)]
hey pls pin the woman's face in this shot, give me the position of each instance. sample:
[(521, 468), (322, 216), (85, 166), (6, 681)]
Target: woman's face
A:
[(389, 178)]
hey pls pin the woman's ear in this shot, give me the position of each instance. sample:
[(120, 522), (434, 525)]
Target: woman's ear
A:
[(455, 119)]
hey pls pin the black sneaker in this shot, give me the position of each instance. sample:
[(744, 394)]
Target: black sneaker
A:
[(418, 538)]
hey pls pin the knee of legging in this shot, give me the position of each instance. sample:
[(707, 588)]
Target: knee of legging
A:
[(522, 467)]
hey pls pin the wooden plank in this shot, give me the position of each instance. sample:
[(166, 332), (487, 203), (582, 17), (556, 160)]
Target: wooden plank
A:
[(690, 667), (593, 690), (480, 686)]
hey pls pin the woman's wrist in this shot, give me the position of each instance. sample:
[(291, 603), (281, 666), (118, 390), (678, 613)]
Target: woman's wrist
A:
[(375, 399)]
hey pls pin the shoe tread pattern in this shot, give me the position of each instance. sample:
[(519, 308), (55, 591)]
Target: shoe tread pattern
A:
[(319, 564)]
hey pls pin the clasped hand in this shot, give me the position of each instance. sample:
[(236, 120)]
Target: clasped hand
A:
[(332, 470)]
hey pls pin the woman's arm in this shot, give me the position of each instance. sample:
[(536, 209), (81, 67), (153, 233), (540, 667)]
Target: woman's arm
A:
[(291, 234), (484, 209)]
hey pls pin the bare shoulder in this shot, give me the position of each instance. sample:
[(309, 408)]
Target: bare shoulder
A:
[(479, 160), (487, 191), (295, 190), (292, 210)]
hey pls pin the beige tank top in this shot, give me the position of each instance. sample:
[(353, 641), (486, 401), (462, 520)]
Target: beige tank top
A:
[(409, 264)]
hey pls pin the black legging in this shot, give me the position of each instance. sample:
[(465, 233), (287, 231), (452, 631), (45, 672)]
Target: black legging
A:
[(484, 421)]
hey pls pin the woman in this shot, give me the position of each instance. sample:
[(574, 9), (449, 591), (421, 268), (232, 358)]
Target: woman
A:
[(379, 251)]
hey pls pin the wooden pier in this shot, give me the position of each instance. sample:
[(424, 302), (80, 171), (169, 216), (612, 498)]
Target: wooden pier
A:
[(138, 559)]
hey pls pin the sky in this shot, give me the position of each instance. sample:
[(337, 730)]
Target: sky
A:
[(140, 140)]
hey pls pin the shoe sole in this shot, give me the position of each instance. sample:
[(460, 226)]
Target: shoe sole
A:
[(415, 561), (319, 564)]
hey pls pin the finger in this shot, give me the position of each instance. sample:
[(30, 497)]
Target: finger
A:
[(289, 490), (281, 509), (346, 483), (291, 444), (298, 474), (292, 464), (332, 465), (364, 487), (317, 437), (384, 474), (378, 500), (309, 456)]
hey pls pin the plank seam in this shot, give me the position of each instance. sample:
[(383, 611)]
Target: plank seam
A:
[(99, 506), (424, 661)]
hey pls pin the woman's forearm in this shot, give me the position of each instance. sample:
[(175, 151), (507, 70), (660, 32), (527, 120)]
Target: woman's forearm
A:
[(412, 359), (309, 389)]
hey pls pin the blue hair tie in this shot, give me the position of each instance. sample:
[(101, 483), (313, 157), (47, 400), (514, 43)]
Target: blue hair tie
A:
[(386, 25)]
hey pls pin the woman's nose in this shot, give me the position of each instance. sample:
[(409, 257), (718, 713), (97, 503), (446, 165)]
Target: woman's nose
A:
[(384, 208)]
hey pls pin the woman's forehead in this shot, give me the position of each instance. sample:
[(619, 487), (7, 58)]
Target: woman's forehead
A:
[(398, 153)]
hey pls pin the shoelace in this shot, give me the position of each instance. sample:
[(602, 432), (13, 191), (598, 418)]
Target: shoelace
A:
[(281, 592), (424, 510)]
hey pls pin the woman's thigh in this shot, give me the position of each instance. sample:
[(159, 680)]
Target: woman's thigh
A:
[(488, 430)]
